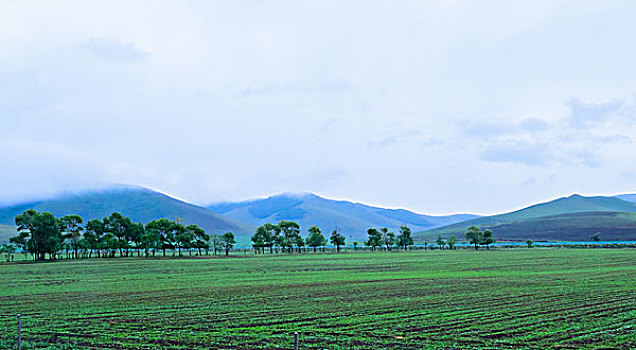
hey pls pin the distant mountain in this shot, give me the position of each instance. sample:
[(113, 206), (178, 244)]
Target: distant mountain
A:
[(6, 232), (140, 204), (610, 225), (629, 197), (519, 220), (352, 219)]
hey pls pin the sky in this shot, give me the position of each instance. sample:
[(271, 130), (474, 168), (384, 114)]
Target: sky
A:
[(436, 106)]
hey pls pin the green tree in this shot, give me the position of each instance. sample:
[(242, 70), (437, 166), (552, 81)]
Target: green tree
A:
[(259, 239), (7, 250), (474, 236), (119, 226), (201, 239), (596, 237), (135, 235), (388, 238), (215, 241), (93, 234), (151, 240), (300, 243), (228, 241), (182, 237), (375, 238), (289, 232), (451, 241), (337, 239), (41, 232), (164, 229), (71, 226), (440, 242), (111, 244), (20, 241), (487, 239), (315, 238), (529, 243), (404, 239)]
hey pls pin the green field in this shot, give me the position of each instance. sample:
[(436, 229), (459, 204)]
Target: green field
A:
[(509, 298)]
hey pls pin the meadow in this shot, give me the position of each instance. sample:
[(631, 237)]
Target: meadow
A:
[(535, 298)]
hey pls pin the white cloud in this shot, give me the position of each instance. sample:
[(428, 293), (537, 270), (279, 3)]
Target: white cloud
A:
[(113, 50), (223, 100)]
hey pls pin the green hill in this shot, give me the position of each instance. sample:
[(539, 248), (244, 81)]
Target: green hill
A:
[(6, 232), (352, 219), (565, 205), (140, 204), (611, 226)]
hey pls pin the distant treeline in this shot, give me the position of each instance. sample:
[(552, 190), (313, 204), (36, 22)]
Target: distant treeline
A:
[(42, 234)]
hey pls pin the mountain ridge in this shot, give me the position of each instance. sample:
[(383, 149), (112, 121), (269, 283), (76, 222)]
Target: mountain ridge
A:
[(351, 218), (564, 205), (139, 203)]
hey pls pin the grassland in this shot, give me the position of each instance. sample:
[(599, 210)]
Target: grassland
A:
[(511, 299)]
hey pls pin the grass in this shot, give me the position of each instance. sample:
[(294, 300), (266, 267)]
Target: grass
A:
[(511, 299)]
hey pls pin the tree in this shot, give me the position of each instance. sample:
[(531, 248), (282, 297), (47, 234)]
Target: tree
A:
[(337, 239), (228, 241), (300, 243), (269, 238), (8, 250), (388, 238), (164, 229), (21, 243), (260, 238), (315, 238), (375, 238), (488, 239), (93, 235), (201, 239), (529, 243), (151, 239), (596, 237), (182, 237), (451, 241), (119, 226), (474, 236), (135, 235), (440, 242), (404, 238), (289, 233), (216, 242), (41, 232), (70, 224)]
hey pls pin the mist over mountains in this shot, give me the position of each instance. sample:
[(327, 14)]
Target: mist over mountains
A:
[(352, 219), (570, 218)]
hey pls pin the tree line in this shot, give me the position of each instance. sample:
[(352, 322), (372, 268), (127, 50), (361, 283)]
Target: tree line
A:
[(285, 237), (42, 234)]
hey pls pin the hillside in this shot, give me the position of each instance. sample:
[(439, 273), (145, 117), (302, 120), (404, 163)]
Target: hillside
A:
[(611, 226), (140, 204), (629, 197), (352, 219), (6, 232), (565, 205)]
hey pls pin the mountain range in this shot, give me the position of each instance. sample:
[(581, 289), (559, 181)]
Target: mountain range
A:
[(138, 203), (572, 218), (351, 219)]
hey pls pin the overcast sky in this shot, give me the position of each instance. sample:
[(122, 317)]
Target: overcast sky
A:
[(437, 106)]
